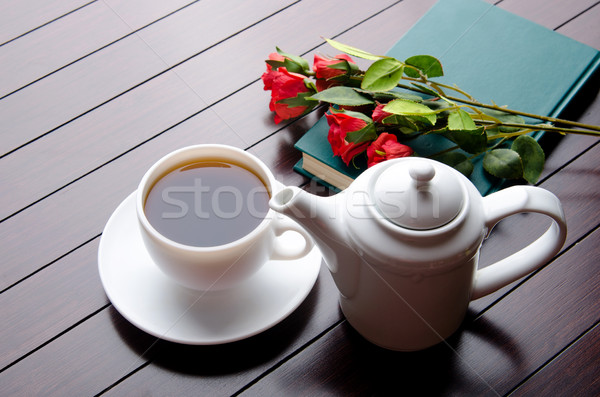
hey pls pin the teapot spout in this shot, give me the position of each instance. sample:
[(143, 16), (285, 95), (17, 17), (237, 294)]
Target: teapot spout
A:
[(321, 218)]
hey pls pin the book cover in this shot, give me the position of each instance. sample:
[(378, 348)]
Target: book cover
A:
[(490, 53)]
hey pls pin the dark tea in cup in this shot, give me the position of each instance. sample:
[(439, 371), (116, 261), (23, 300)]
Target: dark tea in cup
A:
[(204, 217), (207, 203)]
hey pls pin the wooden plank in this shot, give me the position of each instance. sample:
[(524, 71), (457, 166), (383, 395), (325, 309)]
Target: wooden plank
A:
[(488, 357), (42, 261), (95, 338), (91, 195), (529, 227), (51, 47), (78, 213), (50, 302), (574, 372), (139, 13), (45, 165), (581, 29), (23, 260), (252, 102), (542, 316), (550, 13), (65, 369), (84, 85), (40, 107), (35, 171), (575, 197), (17, 17), (121, 120), (229, 368), (106, 348), (559, 151), (574, 186), (283, 157), (44, 50), (81, 194), (23, 287), (302, 22), (71, 286)]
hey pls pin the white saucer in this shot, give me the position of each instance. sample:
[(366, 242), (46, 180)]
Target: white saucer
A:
[(163, 308)]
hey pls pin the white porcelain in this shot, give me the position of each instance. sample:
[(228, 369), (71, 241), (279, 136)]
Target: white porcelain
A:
[(163, 308), (227, 265), (402, 243)]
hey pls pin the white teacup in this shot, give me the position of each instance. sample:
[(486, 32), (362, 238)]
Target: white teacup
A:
[(221, 266)]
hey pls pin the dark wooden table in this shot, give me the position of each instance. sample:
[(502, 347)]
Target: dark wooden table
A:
[(93, 92)]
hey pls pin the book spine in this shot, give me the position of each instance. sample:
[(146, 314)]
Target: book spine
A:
[(592, 69)]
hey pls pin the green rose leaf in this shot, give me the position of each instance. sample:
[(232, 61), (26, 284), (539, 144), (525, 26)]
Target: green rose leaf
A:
[(428, 65), (532, 156), (344, 96), (294, 67), (458, 161), (294, 63), (302, 99), (503, 163), (275, 64), (406, 124), (405, 107), (348, 67), (387, 96), (356, 115), (382, 75), (460, 120), (352, 50), (365, 134), (471, 141)]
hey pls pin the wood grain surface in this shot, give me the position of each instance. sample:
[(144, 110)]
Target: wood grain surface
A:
[(92, 93)]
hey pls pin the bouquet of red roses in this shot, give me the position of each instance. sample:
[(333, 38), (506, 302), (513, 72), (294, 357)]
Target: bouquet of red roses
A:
[(378, 111)]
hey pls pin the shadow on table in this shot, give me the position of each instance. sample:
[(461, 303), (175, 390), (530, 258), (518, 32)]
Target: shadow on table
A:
[(575, 110), (258, 351), (350, 365)]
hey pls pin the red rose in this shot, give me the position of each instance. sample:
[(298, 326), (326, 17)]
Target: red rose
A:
[(325, 73), (286, 85), (386, 147), (270, 74), (287, 89), (322, 68), (379, 114), (339, 125)]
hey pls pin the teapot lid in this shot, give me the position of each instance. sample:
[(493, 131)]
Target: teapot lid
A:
[(418, 193)]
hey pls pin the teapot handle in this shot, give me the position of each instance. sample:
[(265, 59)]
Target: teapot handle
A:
[(508, 202)]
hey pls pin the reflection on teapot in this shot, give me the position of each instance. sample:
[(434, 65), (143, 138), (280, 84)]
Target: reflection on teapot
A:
[(402, 243)]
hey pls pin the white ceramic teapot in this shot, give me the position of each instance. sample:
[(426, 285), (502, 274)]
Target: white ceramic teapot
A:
[(402, 243)]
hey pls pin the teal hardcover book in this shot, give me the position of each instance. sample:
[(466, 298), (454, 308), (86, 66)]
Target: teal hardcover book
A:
[(490, 53)]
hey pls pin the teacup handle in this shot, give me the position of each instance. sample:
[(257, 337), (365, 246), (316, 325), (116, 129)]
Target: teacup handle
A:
[(511, 201), (282, 251)]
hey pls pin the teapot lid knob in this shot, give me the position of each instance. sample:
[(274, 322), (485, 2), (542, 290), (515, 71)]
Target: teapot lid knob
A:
[(418, 194), (421, 172)]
